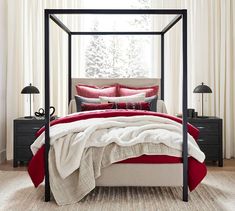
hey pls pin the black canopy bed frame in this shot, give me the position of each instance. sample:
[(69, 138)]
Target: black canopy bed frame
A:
[(180, 14)]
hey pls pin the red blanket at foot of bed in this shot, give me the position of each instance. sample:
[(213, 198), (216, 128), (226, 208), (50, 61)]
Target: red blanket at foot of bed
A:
[(196, 173)]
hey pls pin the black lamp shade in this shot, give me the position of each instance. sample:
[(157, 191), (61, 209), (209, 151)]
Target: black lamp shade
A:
[(30, 90), (202, 89)]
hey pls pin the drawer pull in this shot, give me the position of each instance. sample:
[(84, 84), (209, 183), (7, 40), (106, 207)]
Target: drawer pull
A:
[(200, 140), (200, 127), (36, 128)]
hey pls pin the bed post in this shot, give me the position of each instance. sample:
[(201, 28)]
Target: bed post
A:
[(162, 65), (69, 66), (47, 103), (185, 94)]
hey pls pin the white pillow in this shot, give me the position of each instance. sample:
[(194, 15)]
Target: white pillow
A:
[(125, 99)]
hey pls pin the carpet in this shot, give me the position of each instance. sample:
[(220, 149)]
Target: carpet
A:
[(216, 192)]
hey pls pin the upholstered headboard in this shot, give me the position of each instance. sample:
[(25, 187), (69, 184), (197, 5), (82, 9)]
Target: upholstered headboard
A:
[(134, 82)]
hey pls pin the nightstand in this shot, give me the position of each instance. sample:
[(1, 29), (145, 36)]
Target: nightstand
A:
[(24, 136), (210, 137)]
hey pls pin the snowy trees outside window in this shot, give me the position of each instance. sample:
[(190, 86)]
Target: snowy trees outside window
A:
[(119, 56)]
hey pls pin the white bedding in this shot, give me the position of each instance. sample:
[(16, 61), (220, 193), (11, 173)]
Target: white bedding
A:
[(70, 140)]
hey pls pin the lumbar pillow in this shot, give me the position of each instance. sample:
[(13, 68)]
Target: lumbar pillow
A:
[(136, 106), (96, 106), (126, 99)]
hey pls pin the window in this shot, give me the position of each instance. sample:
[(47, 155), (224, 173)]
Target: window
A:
[(116, 56)]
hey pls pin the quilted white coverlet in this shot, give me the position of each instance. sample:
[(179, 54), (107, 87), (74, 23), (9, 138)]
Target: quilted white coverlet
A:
[(76, 143)]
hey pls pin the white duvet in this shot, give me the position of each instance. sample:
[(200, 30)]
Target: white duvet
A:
[(70, 140)]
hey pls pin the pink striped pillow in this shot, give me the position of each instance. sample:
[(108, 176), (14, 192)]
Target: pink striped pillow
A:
[(127, 91), (94, 91)]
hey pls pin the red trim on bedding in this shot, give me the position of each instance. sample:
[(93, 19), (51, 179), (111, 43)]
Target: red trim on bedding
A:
[(36, 168)]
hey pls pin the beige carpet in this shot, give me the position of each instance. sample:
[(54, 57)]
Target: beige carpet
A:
[(217, 192)]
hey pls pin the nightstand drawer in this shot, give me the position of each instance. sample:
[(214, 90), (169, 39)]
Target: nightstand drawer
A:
[(209, 139), (24, 140), (206, 128), (23, 154), (28, 128), (211, 152)]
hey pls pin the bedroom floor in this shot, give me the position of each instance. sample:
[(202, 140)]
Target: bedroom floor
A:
[(217, 192)]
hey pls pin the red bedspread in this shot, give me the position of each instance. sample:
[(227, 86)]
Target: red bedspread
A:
[(197, 170)]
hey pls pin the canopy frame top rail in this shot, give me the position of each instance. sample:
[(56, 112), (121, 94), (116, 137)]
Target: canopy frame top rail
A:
[(54, 12)]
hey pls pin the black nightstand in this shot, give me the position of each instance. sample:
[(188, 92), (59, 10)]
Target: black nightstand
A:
[(24, 136), (210, 137)]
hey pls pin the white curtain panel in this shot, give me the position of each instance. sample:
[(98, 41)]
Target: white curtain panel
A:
[(210, 59), (3, 67), (26, 58)]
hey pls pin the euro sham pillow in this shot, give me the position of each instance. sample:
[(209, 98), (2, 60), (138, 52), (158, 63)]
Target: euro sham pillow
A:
[(126, 99), (79, 100), (127, 91), (96, 106), (95, 91)]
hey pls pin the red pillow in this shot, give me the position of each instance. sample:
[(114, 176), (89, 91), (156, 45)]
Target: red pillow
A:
[(95, 92), (95, 106), (126, 91), (136, 106)]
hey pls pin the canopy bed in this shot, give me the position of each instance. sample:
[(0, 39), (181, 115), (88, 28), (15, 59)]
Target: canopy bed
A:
[(182, 170)]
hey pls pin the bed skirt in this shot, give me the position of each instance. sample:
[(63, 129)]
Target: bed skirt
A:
[(142, 175)]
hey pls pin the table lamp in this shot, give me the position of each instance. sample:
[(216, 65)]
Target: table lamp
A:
[(30, 90), (202, 88)]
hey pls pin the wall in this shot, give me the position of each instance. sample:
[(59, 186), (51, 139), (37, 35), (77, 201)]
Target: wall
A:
[(3, 68)]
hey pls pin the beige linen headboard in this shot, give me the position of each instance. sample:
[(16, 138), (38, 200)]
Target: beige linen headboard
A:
[(134, 82)]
